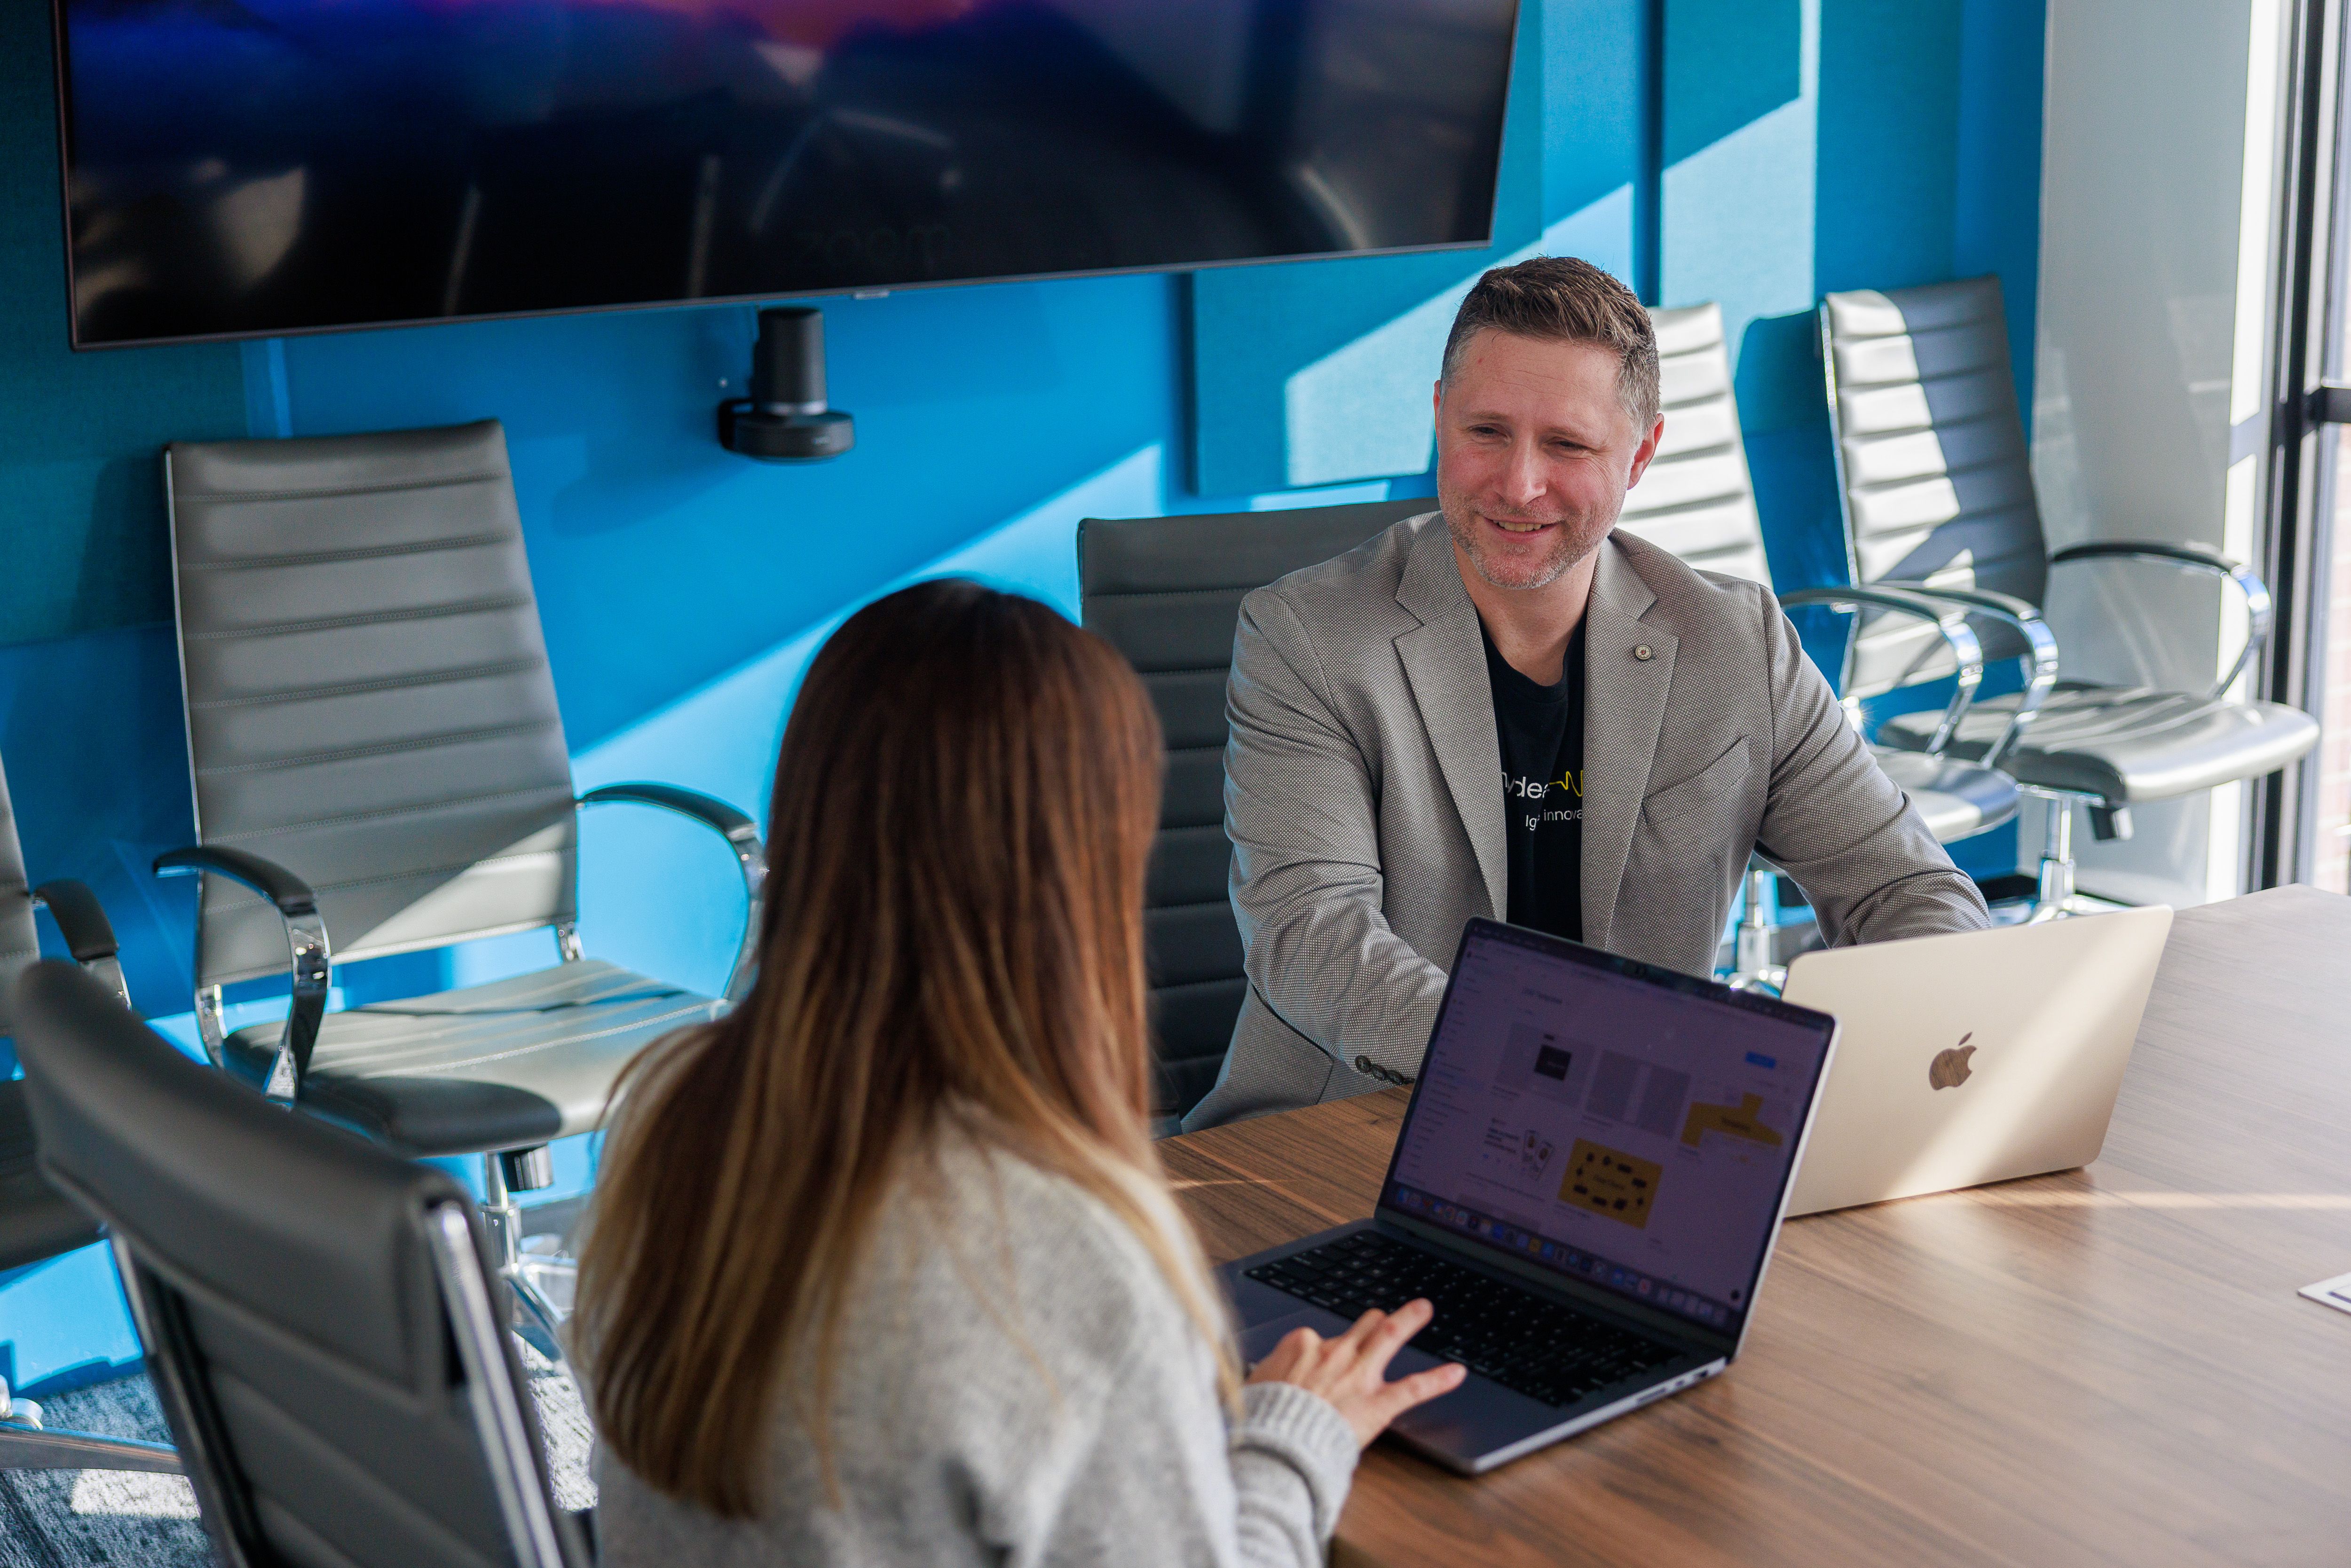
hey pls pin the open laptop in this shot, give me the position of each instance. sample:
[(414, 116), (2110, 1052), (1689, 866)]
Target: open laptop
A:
[(1587, 1186), (1972, 1057)]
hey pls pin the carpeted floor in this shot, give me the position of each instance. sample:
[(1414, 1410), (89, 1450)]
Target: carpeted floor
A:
[(85, 1519)]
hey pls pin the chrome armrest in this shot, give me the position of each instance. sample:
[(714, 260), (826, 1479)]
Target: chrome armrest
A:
[(739, 832), (2026, 621), (90, 937), (311, 963), (1952, 621), (2259, 610)]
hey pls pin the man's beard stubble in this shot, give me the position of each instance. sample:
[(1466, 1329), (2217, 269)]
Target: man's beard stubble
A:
[(1569, 546)]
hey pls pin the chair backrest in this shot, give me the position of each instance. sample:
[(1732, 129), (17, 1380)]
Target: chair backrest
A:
[(1931, 459), (317, 1312), (1697, 499), (1167, 592), (368, 696), (19, 943), (36, 1220)]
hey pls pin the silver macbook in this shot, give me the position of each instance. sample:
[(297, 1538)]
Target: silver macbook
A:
[(1587, 1186), (1972, 1057)]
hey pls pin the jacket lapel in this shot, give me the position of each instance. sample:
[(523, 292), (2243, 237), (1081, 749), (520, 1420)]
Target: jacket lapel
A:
[(1624, 711), (1445, 660)]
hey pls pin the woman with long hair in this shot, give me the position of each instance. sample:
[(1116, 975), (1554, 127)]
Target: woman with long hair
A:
[(882, 1267)]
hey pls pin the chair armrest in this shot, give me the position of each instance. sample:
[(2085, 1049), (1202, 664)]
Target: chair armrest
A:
[(1951, 621), (2259, 610), (289, 892), (741, 834), (81, 920), (2026, 621), (90, 937), (310, 966)]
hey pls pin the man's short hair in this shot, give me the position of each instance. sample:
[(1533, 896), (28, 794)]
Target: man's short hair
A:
[(1561, 299)]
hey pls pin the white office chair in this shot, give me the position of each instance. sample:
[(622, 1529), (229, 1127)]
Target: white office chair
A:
[(1698, 500)]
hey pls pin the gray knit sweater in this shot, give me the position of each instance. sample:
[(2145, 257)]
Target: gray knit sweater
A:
[(1017, 1384)]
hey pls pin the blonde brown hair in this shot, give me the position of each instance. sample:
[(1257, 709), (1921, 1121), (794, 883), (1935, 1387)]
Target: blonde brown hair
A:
[(1558, 298), (953, 940)]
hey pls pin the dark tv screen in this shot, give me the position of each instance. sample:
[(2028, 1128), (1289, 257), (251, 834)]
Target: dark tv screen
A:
[(240, 168)]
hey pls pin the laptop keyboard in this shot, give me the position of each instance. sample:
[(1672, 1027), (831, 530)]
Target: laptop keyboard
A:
[(1520, 1340)]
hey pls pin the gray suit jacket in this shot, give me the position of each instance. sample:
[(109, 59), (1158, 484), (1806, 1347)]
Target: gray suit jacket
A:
[(1364, 797)]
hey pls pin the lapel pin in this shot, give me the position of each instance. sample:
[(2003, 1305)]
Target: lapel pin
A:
[(1642, 652)]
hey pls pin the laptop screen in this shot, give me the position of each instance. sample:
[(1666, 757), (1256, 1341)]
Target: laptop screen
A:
[(1621, 1123)]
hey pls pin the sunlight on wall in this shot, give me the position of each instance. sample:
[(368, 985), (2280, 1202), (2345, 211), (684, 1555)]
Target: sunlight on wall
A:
[(1739, 212), (1364, 408), (722, 737)]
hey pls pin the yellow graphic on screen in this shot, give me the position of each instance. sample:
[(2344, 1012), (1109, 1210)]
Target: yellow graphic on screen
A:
[(1611, 1182), (1740, 1120)]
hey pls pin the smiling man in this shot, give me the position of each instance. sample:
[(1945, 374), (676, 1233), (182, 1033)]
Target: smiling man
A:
[(1504, 708)]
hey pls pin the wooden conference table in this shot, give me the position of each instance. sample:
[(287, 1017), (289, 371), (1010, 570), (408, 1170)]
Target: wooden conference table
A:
[(2103, 1365)]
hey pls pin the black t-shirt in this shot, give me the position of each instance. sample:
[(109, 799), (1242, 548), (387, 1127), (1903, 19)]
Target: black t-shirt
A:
[(1542, 733)]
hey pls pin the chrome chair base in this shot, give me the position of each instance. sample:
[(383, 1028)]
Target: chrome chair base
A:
[(1757, 964), (35, 1448), (543, 1281), (539, 1278), (26, 1445), (1756, 960), (2057, 897)]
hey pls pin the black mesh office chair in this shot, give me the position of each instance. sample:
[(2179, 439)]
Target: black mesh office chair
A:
[(1698, 500), (37, 1222), (1938, 500), (318, 1311), (1167, 592), (378, 760)]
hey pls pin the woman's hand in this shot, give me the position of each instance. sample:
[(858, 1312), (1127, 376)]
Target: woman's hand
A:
[(1351, 1371)]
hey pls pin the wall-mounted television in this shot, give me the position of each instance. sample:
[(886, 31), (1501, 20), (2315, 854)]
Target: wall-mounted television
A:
[(252, 168)]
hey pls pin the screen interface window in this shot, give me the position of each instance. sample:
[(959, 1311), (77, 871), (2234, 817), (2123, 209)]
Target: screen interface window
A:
[(1608, 1127)]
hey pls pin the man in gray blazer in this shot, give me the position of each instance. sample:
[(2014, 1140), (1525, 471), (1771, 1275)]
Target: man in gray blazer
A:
[(1502, 708)]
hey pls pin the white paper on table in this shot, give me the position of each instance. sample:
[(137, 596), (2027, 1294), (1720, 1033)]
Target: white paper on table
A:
[(2335, 1293)]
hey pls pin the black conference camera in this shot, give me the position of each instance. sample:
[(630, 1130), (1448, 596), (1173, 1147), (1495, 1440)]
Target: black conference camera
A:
[(785, 419)]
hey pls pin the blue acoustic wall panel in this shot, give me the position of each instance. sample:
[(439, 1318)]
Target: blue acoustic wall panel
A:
[(90, 734), (81, 507), (663, 561), (1303, 374), (1996, 221), (1883, 143)]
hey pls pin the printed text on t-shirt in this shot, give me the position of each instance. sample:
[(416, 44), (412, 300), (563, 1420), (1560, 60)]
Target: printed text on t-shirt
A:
[(1553, 795)]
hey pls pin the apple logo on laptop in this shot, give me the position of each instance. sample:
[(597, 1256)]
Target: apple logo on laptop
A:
[(1950, 1069)]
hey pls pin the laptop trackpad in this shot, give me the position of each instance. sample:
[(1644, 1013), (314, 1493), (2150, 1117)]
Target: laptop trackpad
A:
[(1257, 1340)]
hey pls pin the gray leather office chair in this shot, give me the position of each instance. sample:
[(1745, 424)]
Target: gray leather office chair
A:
[(37, 1222), (1167, 592), (1939, 499), (1698, 500), (380, 768), (317, 1312)]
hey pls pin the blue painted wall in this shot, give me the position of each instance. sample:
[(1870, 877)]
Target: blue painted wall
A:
[(1810, 144), (1319, 372), (81, 507)]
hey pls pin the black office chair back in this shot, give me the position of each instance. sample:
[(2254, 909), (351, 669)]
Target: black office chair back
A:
[(369, 702), (36, 1219), (317, 1311), (1167, 592), (1930, 451), (19, 943)]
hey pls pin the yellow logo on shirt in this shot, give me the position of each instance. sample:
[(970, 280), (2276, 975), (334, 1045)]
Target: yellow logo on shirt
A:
[(1538, 789)]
